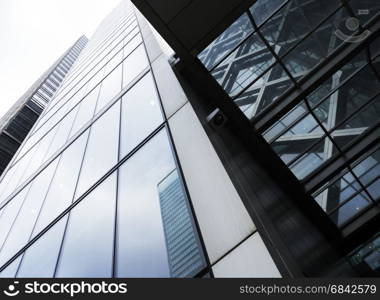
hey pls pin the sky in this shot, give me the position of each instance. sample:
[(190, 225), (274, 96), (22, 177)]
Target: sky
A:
[(35, 33)]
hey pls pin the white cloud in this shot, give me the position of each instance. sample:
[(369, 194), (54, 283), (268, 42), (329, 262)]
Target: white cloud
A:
[(34, 34)]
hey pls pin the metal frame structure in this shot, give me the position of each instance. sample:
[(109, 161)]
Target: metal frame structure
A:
[(234, 61)]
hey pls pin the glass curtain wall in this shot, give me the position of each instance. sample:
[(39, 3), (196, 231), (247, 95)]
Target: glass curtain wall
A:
[(86, 196), (270, 50)]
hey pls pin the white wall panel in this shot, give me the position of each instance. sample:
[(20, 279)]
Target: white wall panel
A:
[(171, 93), (222, 217), (250, 259)]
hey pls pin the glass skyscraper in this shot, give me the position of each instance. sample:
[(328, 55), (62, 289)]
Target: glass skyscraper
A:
[(229, 138), (81, 198)]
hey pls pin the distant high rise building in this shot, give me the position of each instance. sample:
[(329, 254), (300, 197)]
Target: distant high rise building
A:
[(17, 122), (182, 243)]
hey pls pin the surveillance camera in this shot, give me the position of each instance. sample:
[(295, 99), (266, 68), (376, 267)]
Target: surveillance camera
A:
[(216, 119)]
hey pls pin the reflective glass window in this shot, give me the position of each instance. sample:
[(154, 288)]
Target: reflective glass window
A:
[(87, 249), (109, 88), (141, 113), (40, 259), (86, 110), (134, 64), (9, 213), (102, 149), (62, 133), (155, 234), (24, 222)]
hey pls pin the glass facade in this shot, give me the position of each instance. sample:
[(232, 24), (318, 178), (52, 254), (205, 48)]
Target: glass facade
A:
[(271, 51), (96, 187)]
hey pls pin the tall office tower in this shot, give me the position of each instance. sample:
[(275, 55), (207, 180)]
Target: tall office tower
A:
[(17, 122), (182, 244), (80, 198), (84, 196), (288, 93)]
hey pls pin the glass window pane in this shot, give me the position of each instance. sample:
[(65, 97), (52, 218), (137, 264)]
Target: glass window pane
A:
[(86, 110), (132, 44), (7, 178), (297, 19), (102, 149), (284, 123), (109, 88), (62, 133), (40, 259), (11, 270), (273, 91), (62, 188), (141, 114), (9, 213), (87, 249), (114, 59), (23, 225), (224, 43), (39, 154), (95, 80), (358, 91), (262, 9), (134, 64), (350, 209), (144, 247), (184, 253), (305, 164), (20, 166), (244, 66), (307, 124)]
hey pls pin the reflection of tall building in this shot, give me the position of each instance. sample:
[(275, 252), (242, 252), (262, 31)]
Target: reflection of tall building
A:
[(18, 121), (182, 244), (298, 82)]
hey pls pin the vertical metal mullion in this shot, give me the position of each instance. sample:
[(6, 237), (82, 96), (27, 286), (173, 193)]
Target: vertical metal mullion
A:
[(115, 238)]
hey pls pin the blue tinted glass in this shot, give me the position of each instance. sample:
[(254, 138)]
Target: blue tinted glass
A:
[(86, 110), (155, 235), (141, 114), (134, 64), (87, 249), (9, 213), (24, 222), (109, 88), (102, 149)]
